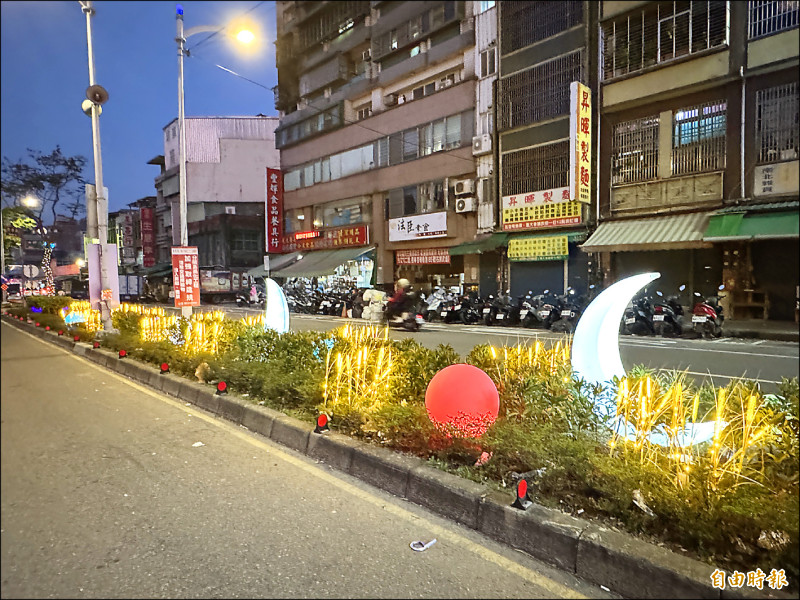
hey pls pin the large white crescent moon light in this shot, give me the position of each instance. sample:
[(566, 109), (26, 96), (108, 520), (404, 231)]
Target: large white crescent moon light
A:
[(595, 358), (276, 309)]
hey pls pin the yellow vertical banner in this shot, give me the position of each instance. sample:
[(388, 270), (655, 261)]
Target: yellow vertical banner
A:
[(580, 142)]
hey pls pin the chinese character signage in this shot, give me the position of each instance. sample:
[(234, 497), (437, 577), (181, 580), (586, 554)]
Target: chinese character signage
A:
[(148, 237), (274, 211), (778, 178), (539, 216), (418, 226), (185, 276), (324, 239), (128, 245), (533, 198), (538, 247), (580, 141), (423, 256)]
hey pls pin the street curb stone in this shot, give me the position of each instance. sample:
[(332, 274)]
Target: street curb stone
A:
[(620, 562)]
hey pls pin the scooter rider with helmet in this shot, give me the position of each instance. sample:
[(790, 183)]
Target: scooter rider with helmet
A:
[(397, 302)]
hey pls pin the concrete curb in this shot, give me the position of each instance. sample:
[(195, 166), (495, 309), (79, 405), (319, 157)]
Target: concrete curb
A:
[(620, 562)]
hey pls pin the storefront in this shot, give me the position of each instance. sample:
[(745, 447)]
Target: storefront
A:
[(337, 257), (489, 250), (547, 261), (427, 268)]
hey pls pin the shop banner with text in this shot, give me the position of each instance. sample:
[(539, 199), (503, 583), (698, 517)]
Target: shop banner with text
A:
[(416, 227), (148, 237), (538, 247), (423, 256), (185, 276), (326, 239), (580, 142), (541, 216), (274, 211)]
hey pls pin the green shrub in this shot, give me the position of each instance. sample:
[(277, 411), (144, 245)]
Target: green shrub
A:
[(51, 305)]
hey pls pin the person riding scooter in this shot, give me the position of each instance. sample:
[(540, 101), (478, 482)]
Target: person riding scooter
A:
[(397, 303)]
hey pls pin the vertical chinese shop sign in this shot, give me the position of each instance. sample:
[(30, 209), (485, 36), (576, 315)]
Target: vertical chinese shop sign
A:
[(148, 237), (185, 276), (580, 141), (274, 211)]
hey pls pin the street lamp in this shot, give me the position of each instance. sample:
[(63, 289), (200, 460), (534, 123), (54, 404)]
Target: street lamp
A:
[(245, 36)]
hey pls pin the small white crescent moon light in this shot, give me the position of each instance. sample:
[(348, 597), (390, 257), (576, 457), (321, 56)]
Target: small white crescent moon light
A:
[(276, 309), (595, 358)]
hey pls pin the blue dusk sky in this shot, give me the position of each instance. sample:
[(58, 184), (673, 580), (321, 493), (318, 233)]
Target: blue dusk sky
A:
[(45, 73)]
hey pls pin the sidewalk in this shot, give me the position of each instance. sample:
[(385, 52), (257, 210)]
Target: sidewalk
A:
[(786, 331)]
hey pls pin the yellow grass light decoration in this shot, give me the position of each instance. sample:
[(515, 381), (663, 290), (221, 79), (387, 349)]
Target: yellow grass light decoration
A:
[(82, 312)]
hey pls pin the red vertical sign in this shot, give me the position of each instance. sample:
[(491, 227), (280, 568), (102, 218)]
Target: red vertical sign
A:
[(274, 211), (185, 276), (148, 237)]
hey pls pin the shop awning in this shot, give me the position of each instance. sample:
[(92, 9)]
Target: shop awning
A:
[(159, 270), (673, 232), (486, 244), (742, 226), (321, 262), (276, 263)]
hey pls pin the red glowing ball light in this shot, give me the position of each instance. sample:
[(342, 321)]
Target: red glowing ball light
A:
[(222, 387), (94, 344), (123, 353), (462, 401)]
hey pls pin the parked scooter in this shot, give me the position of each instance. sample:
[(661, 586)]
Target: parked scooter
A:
[(569, 311), (707, 316), (433, 307), (667, 312), (638, 317)]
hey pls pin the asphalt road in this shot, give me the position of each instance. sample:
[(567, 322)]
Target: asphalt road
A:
[(716, 361), (106, 493)]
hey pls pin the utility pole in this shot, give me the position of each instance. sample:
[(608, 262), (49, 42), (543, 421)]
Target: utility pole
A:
[(102, 201)]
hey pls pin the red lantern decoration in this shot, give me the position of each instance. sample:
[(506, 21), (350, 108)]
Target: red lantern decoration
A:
[(222, 388), (462, 401)]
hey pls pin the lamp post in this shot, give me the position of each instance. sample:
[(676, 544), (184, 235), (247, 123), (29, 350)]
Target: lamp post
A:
[(101, 202), (243, 36)]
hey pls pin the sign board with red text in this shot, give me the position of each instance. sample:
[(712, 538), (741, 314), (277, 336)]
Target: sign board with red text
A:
[(274, 211), (326, 239), (423, 256), (148, 237), (580, 142), (185, 276)]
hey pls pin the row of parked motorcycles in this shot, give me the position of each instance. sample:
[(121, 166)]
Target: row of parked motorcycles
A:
[(647, 314)]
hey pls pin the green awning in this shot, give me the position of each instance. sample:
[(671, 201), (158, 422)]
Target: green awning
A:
[(752, 226), (276, 263), (321, 262), (486, 244), (671, 232)]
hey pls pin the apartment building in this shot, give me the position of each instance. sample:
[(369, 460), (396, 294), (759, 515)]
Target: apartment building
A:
[(377, 104), (546, 131), (698, 162), (226, 190)]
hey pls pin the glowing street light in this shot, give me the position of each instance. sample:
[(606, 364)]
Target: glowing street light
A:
[(246, 37)]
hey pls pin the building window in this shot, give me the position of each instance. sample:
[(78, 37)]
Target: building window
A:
[(698, 138), (777, 123), (488, 62), (635, 153), (485, 5), (661, 32), (342, 213), (172, 160), (766, 18), (534, 169), (293, 220), (525, 23), (538, 93), (245, 241), (364, 112), (410, 144), (417, 199)]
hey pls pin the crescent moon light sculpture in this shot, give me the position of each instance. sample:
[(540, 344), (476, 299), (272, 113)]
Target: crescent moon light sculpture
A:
[(276, 309), (595, 358)]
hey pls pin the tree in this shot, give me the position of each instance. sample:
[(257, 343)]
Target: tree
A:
[(55, 179), (15, 219)]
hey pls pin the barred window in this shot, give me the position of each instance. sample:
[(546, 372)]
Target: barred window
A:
[(635, 154), (525, 23), (777, 123), (698, 138), (661, 32), (766, 18), (533, 169), (246, 241), (538, 93)]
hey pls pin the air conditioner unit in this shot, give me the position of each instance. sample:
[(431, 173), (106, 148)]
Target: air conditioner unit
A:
[(230, 210), (481, 144), (464, 186), (401, 99), (366, 54), (390, 99), (465, 205)]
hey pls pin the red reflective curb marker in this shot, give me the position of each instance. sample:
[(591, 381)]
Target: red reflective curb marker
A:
[(47, 328), (77, 338), (123, 354), (37, 323), (322, 424), (521, 501), (95, 344), (222, 388), (164, 368), (60, 332)]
